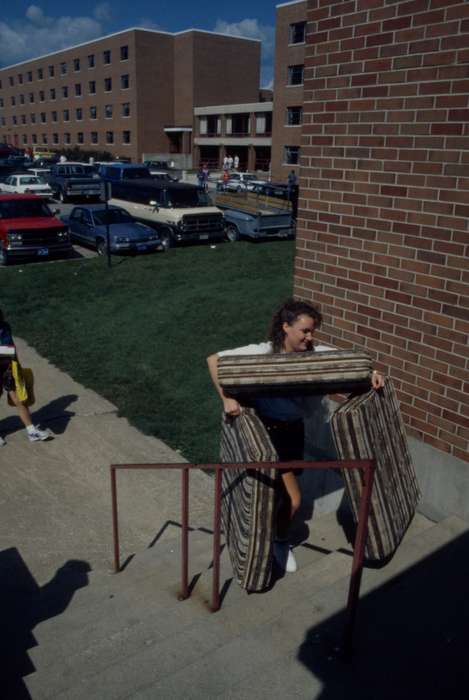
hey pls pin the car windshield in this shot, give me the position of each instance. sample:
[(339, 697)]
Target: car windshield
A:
[(193, 197), (81, 171), (135, 173), (114, 216), (30, 181), (23, 209)]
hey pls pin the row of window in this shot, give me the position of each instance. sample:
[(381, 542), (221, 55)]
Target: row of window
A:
[(54, 115), (80, 138), (64, 91), (63, 67)]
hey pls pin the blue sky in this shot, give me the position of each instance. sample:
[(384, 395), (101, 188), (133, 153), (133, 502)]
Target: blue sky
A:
[(28, 30)]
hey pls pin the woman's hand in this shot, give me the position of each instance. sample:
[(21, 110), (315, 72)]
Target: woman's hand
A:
[(377, 379), (231, 407)]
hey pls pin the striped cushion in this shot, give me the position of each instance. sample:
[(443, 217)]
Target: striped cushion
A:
[(371, 426), (248, 500), (326, 372)]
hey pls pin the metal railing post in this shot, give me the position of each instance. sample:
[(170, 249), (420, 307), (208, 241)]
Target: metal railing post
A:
[(115, 523), (185, 535), (216, 541), (358, 556)]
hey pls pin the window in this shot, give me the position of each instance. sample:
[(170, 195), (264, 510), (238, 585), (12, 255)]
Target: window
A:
[(77, 89), (63, 68), (54, 116), (76, 64), (1, 101), (124, 82), (29, 76), (80, 137), (11, 80), (92, 87), (41, 96), (294, 116), (51, 71), (93, 112), (126, 137), (44, 138), (23, 118), (107, 84), (296, 34), (13, 100), (21, 100), (25, 138), (108, 112), (106, 57), (295, 75), (20, 78), (91, 60), (64, 91), (124, 53), (66, 137), (126, 109), (52, 93), (3, 121), (33, 118), (66, 115), (55, 138), (43, 117), (109, 137), (14, 120), (40, 74), (34, 138), (94, 137), (31, 96), (291, 155), (79, 114)]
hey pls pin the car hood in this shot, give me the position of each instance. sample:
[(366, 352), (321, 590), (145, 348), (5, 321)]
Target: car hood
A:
[(126, 229), (32, 223)]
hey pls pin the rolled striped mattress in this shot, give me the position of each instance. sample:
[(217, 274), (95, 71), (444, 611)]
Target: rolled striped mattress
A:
[(248, 499), (370, 426), (326, 371)]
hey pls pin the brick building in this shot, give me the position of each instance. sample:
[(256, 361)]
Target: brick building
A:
[(129, 93), (383, 237)]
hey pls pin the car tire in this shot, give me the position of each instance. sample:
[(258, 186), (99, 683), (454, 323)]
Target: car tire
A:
[(167, 240), (101, 247), (231, 233), (4, 259)]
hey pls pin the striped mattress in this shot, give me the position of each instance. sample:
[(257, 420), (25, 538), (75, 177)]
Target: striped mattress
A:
[(248, 500), (371, 426), (324, 372)]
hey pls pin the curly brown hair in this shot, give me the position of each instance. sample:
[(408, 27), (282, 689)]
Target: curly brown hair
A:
[(289, 312)]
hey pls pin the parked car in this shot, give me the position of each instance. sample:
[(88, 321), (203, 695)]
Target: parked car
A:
[(69, 180), (88, 225), (40, 172), (29, 228), (240, 182), (162, 168), (27, 183), (120, 172)]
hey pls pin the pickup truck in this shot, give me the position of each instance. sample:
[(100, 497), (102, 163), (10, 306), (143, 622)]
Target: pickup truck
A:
[(182, 212), (69, 180), (255, 215), (28, 228)]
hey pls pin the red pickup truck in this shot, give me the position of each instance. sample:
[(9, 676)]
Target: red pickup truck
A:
[(28, 228)]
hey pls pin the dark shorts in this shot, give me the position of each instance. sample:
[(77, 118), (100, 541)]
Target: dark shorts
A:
[(287, 437), (7, 383)]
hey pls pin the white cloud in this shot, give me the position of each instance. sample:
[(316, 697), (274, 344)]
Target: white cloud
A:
[(37, 34), (146, 23), (252, 29), (102, 12)]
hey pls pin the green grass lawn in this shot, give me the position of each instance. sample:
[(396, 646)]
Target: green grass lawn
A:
[(139, 333)]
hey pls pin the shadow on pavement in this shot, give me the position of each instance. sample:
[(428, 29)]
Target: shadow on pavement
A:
[(412, 636), (54, 413), (23, 605)]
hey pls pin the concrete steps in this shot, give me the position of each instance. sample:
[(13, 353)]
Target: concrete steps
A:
[(127, 636)]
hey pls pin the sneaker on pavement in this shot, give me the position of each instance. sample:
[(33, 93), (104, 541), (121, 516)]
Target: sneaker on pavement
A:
[(291, 565), (284, 557), (2, 441), (35, 434)]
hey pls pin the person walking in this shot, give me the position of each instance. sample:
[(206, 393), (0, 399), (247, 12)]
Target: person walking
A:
[(8, 384), (285, 418)]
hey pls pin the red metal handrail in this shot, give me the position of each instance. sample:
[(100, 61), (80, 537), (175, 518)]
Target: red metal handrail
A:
[(367, 466)]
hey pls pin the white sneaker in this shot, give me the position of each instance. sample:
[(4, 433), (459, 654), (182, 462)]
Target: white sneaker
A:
[(2, 441), (284, 557), (35, 434), (291, 566)]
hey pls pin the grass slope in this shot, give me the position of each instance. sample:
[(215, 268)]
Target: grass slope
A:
[(139, 333)]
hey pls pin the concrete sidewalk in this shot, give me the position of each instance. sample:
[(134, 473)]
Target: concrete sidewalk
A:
[(55, 497)]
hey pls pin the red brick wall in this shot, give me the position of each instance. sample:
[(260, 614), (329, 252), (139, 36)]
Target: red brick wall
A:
[(383, 237)]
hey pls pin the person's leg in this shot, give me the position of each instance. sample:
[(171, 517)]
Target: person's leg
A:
[(22, 409)]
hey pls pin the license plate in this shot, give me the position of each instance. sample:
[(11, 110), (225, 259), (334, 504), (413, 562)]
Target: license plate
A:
[(43, 251), (141, 246), (203, 237)]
